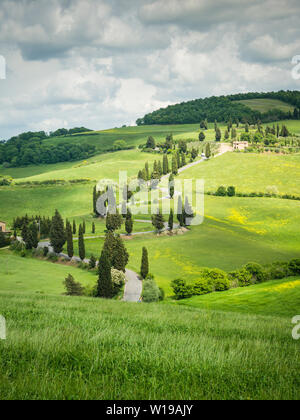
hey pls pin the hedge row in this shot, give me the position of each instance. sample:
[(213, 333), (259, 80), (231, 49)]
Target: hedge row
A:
[(215, 280), (231, 192)]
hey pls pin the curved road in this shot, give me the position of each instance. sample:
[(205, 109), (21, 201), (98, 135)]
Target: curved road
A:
[(133, 287)]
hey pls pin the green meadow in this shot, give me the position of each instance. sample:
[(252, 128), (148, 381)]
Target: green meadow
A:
[(231, 345), (29, 275), (249, 172), (279, 298), (265, 105)]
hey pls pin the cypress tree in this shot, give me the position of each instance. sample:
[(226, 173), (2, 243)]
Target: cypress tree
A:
[(105, 286), (145, 264), (92, 263), (178, 158), (207, 151), (218, 134), (171, 186), (180, 216), (174, 165), (93, 228), (95, 197), (83, 227), (159, 168), (120, 256), (74, 228), (171, 220), (147, 171), (81, 246), (25, 234), (165, 165), (188, 212), (201, 136), (57, 233), (158, 221), (124, 209), (70, 247), (129, 223), (114, 247), (150, 143)]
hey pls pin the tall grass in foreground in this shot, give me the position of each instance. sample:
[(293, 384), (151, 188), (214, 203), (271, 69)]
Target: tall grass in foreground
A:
[(78, 348)]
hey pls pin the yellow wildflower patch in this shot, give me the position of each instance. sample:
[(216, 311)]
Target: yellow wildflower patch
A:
[(237, 217), (287, 286)]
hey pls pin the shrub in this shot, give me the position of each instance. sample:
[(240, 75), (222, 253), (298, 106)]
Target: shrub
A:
[(202, 287), (259, 275), (218, 278), (72, 287), (279, 270), (181, 289), (294, 266), (45, 251), (151, 292), (241, 278), (162, 294), (118, 280), (52, 257), (92, 262), (231, 191), (221, 192)]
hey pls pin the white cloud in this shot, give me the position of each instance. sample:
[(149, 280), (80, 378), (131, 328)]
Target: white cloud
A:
[(103, 63)]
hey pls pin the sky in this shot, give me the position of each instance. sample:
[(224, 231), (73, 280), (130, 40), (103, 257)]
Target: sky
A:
[(105, 63)]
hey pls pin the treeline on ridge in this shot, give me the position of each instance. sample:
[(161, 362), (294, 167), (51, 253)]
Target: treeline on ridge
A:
[(223, 108), (30, 149)]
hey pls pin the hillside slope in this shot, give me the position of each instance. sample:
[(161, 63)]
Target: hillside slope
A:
[(223, 108)]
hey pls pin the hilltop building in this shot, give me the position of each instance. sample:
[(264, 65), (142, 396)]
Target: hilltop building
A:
[(240, 145)]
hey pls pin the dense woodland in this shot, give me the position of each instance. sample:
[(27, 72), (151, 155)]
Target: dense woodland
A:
[(222, 109), (30, 149)]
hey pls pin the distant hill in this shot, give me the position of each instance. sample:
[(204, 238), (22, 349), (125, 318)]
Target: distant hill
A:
[(272, 106)]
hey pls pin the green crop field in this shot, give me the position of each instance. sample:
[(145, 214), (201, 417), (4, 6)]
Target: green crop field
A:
[(96, 349), (265, 105)]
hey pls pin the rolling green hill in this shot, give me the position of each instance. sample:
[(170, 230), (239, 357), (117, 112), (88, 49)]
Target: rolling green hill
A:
[(223, 108), (278, 297)]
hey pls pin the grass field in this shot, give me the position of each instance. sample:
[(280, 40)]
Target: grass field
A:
[(274, 298), (265, 105), (249, 172), (29, 275), (230, 345), (94, 349), (235, 232), (133, 136)]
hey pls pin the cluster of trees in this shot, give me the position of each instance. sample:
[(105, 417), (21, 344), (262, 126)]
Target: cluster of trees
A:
[(212, 280), (65, 132), (43, 223), (222, 109), (184, 215), (5, 181), (34, 153), (164, 167), (113, 256), (4, 240)]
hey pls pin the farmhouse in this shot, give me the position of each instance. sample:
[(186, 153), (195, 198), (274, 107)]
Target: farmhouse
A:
[(3, 227), (240, 145)]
